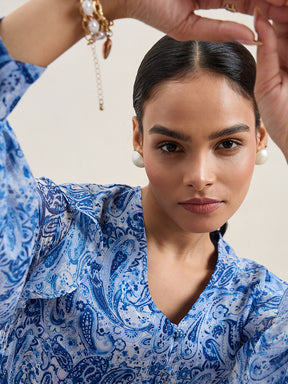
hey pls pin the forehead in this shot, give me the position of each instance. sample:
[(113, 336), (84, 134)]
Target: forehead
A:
[(204, 99)]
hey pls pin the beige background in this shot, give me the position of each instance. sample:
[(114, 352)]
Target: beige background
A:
[(65, 137)]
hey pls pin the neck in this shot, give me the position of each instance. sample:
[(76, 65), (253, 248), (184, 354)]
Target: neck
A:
[(165, 236)]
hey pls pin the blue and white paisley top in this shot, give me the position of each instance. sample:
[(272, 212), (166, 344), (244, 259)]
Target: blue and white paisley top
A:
[(75, 305)]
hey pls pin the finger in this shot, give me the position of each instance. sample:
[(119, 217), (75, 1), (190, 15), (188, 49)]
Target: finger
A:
[(278, 14), (201, 28), (277, 2), (275, 12), (240, 6), (268, 65), (281, 29)]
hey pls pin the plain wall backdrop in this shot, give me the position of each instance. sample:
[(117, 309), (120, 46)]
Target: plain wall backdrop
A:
[(66, 138)]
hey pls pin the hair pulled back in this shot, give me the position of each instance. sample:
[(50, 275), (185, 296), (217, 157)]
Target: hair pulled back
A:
[(170, 59)]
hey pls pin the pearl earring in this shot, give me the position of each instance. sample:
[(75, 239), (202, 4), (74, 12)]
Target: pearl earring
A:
[(261, 157), (137, 159)]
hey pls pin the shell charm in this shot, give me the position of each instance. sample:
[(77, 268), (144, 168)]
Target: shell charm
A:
[(107, 48)]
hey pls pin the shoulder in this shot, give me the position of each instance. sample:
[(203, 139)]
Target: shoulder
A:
[(247, 269), (249, 291), (250, 278)]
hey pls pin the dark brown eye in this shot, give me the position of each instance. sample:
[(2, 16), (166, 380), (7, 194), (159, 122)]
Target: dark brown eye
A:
[(228, 144), (170, 147)]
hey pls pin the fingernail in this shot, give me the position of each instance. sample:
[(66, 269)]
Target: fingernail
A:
[(250, 42), (258, 43)]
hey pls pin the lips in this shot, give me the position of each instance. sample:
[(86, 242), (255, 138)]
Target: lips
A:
[(201, 206)]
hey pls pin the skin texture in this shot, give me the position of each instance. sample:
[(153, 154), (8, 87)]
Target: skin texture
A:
[(181, 257)]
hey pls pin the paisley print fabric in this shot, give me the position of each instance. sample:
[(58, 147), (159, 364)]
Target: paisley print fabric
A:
[(75, 305)]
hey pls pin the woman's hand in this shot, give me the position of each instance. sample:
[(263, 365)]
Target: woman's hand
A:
[(41, 30), (178, 19), (272, 79)]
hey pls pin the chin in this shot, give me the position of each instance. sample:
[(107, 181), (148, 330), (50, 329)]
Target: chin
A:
[(200, 228), (201, 223)]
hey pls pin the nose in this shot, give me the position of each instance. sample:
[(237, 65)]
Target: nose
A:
[(199, 172)]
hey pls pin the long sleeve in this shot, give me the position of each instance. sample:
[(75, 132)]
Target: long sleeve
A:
[(19, 200), (264, 358), (48, 233)]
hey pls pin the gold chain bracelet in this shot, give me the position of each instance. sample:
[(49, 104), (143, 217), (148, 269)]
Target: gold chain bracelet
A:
[(96, 27)]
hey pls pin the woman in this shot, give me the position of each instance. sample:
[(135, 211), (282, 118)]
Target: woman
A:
[(76, 260)]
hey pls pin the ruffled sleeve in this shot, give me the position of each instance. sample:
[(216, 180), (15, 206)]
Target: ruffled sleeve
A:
[(49, 234), (19, 199), (70, 239)]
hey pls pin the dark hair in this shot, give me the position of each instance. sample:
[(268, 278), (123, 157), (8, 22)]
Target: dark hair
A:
[(170, 59)]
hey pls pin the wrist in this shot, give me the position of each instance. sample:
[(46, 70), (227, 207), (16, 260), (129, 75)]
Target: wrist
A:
[(114, 9)]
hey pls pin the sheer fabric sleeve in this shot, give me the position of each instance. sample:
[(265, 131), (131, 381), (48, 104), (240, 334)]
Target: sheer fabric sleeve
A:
[(19, 199), (264, 357), (48, 233)]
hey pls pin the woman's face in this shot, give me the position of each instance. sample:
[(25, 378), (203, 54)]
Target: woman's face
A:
[(199, 145)]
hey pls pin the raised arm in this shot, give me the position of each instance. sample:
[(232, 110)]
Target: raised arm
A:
[(41, 30)]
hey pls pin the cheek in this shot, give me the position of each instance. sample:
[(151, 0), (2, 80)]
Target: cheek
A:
[(156, 173), (247, 165), (163, 175), (153, 168), (240, 175)]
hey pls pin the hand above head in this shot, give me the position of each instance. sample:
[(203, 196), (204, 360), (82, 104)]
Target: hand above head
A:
[(178, 19), (272, 79), (59, 23)]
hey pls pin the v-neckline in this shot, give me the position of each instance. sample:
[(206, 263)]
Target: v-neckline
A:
[(215, 237)]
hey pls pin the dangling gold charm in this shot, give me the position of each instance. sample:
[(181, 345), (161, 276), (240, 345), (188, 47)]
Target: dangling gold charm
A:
[(107, 48), (96, 27)]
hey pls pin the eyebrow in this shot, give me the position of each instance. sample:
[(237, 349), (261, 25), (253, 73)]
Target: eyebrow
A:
[(229, 131), (182, 136), (169, 132)]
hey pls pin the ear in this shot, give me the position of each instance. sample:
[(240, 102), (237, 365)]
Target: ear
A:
[(137, 137), (261, 137)]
